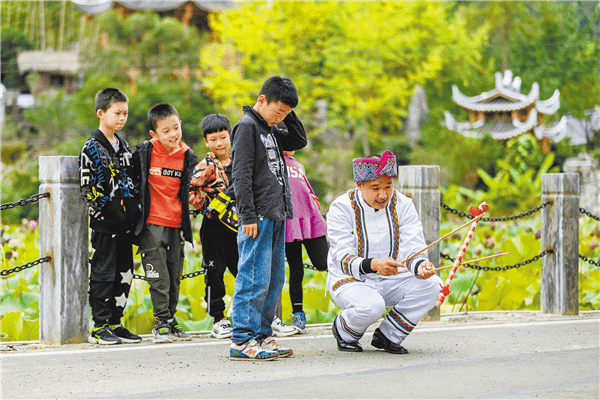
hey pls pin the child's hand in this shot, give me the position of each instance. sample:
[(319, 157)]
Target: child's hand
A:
[(250, 230)]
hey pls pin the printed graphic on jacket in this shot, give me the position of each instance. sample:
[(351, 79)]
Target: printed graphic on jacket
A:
[(275, 162), (102, 175)]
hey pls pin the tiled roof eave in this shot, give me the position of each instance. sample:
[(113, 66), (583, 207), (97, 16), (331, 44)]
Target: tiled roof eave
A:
[(549, 106), (476, 103), (555, 133), (476, 130)]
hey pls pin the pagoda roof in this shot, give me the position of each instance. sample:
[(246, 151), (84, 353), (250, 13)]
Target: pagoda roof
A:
[(507, 96), (503, 130)]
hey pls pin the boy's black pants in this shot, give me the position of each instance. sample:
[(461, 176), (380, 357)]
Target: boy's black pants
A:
[(317, 249), (162, 258), (219, 251), (111, 271)]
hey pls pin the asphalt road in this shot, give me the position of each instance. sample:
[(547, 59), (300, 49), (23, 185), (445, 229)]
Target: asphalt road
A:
[(504, 355)]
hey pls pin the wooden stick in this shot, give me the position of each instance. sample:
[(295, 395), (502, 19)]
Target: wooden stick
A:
[(472, 261), (443, 237)]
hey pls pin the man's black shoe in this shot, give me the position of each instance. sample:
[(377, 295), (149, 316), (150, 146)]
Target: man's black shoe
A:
[(341, 343), (381, 342)]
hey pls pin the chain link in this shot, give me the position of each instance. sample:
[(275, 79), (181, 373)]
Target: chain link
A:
[(504, 268), (23, 202), (6, 272), (184, 276), (496, 219), (589, 214), (589, 260)]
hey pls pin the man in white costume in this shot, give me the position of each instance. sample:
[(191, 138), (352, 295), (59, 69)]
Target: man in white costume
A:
[(371, 228)]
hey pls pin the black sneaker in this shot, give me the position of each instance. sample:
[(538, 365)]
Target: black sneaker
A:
[(177, 333), (125, 335), (103, 335), (162, 332)]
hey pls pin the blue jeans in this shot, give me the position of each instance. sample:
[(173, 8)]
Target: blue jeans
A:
[(260, 278)]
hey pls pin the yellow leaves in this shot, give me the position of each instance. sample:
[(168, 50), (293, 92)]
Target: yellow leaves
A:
[(363, 58)]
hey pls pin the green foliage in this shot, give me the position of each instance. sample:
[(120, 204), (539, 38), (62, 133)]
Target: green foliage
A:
[(517, 184), (19, 181), (153, 60), (12, 41), (328, 49)]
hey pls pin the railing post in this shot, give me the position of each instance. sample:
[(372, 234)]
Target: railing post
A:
[(63, 283), (422, 183), (560, 232)]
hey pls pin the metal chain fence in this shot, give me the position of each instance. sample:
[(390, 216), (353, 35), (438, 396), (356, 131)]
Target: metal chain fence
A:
[(589, 214), (24, 202), (503, 268), (496, 219), (589, 260), (203, 272), (6, 272)]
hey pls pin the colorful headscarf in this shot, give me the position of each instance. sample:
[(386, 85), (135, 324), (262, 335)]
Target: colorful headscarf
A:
[(369, 168)]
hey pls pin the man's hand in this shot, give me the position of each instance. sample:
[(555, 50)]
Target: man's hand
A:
[(250, 230), (426, 270), (386, 266)]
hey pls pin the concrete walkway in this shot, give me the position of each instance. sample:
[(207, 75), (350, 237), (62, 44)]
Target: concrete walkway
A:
[(509, 355)]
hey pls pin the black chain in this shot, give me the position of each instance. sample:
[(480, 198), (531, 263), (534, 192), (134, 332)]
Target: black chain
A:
[(589, 214), (6, 272), (23, 202), (184, 276), (584, 258), (193, 274), (504, 268), (202, 272), (496, 219)]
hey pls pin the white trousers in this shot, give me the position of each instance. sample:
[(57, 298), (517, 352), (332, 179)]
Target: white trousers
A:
[(364, 303)]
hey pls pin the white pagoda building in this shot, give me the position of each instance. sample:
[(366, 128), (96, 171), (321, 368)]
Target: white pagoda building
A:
[(504, 112)]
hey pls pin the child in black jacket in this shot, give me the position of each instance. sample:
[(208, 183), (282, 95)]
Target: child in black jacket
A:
[(105, 171), (264, 201)]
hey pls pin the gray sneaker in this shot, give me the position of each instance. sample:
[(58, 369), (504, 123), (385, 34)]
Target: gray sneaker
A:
[(271, 345), (251, 351), (162, 332), (176, 332)]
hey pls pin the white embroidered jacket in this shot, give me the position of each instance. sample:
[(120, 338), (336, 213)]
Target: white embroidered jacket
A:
[(357, 231)]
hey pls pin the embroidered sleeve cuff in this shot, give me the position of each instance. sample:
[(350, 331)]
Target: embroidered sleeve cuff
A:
[(365, 266), (413, 265)]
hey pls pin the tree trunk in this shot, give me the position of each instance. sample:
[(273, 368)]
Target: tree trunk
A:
[(8, 7), (42, 26), (18, 15), (505, 43), (61, 27), (365, 138), (32, 25), (27, 14)]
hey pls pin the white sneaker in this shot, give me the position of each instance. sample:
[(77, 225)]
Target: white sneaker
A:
[(280, 329), (221, 329)]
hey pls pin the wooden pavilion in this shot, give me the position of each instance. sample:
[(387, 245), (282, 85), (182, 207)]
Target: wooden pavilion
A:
[(190, 13), (504, 112)]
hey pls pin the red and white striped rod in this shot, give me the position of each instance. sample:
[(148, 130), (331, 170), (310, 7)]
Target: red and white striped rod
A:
[(480, 210)]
